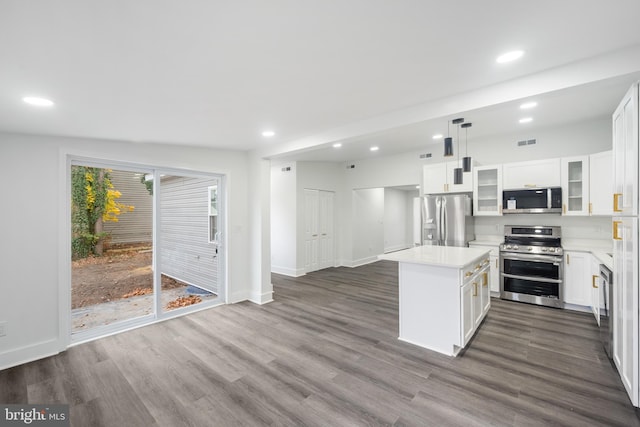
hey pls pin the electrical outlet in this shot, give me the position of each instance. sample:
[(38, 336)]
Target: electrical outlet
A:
[(3, 329)]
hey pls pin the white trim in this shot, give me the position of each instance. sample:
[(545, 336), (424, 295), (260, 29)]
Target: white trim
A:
[(29, 353), (286, 271), (264, 298), (362, 261), (396, 248), (65, 336)]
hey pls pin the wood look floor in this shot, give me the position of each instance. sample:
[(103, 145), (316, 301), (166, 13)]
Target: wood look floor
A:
[(326, 353)]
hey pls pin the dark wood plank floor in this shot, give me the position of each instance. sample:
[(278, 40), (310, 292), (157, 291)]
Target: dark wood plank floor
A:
[(326, 353)]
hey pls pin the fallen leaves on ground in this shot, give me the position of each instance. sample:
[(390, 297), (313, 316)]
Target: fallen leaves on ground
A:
[(183, 302), (138, 292)]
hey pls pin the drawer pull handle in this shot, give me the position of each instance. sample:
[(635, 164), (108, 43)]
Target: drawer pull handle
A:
[(485, 279), (594, 281), (616, 225), (467, 274), (616, 202), (475, 289)]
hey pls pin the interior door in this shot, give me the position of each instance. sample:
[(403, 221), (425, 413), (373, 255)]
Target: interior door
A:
[(325, 229), (311, 235)]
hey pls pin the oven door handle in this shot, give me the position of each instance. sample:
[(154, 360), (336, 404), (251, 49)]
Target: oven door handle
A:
[(531, 279), (533, 258)]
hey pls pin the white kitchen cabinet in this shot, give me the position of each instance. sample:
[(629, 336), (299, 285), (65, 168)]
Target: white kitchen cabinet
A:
[(487, 190), (438, 178), (577, 278), (625, 303), (625, 155), (595, 288), (485, 291), (440, 295), (494, 266), (574, 173), (625, 242), (531, 174), (601, 183), (474, 297)]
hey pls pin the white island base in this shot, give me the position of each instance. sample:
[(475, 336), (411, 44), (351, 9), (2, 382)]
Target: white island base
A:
[(443, 294)]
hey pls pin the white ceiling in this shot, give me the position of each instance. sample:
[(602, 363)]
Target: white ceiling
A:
[(218, 73)]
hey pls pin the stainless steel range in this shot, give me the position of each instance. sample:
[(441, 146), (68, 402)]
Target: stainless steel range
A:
[(531, 265)]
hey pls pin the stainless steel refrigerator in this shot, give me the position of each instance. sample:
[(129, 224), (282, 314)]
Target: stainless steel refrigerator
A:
[(447, 220)]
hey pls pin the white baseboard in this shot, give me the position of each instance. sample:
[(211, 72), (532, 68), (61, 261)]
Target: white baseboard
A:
[(286, 271), (263, 298), (29, 353), (362, 261), (396, 248)]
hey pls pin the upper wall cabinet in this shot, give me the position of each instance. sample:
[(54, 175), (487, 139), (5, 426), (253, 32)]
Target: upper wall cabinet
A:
[(487, 190), (531, 174), (601, 183), (574, 173), (625, 155), (438, 178)]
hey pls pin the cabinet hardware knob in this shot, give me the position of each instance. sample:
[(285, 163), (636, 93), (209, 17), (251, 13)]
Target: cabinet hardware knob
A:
[(467, 274), (485, 279), (594, 281), (590, 208), (475, 289)]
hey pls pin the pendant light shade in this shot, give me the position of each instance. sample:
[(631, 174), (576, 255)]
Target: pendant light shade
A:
[(457, 176), (466, 160), (448, 146), (457, 172), (466, 164)]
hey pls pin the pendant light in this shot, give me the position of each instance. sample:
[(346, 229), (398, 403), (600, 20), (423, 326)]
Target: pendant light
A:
[(448, 144), (466, 160), (457, 172)]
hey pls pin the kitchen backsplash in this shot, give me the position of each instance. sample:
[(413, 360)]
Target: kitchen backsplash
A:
[(573, 227)]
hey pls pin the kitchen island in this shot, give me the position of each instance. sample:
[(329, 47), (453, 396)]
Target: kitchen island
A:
[(444, 295)]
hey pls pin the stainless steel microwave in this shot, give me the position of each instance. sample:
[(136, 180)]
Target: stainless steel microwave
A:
[(532, 200)]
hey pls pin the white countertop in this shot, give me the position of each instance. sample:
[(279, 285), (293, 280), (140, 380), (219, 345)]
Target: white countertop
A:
[(443, 256), (487, 240), (598, 248)]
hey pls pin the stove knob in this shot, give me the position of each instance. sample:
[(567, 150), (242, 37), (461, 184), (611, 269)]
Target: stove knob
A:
[(529, 248), (553, 249), (515, 247), (545, 249), (508, 246)]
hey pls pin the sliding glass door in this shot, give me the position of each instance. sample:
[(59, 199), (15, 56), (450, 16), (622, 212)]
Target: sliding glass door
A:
[(145, 243)]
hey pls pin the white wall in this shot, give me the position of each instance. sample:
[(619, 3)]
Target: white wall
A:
[(397, 219), (284, 219), (33, 248), (367, 225)]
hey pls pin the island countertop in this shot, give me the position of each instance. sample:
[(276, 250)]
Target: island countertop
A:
[(444, 256)]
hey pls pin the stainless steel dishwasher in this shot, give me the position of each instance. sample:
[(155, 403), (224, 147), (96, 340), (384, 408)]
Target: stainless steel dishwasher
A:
[(606, 309)]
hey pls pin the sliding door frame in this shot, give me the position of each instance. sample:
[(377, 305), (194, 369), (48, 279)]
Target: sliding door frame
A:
[(66, 337)]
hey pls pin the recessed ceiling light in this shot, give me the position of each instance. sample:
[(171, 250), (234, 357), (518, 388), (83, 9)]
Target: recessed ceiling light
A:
[(526, 120), (437, 136), (528, 105), (268, 133), (509, 56), (337, 145), (37, 101), (374, 148)]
